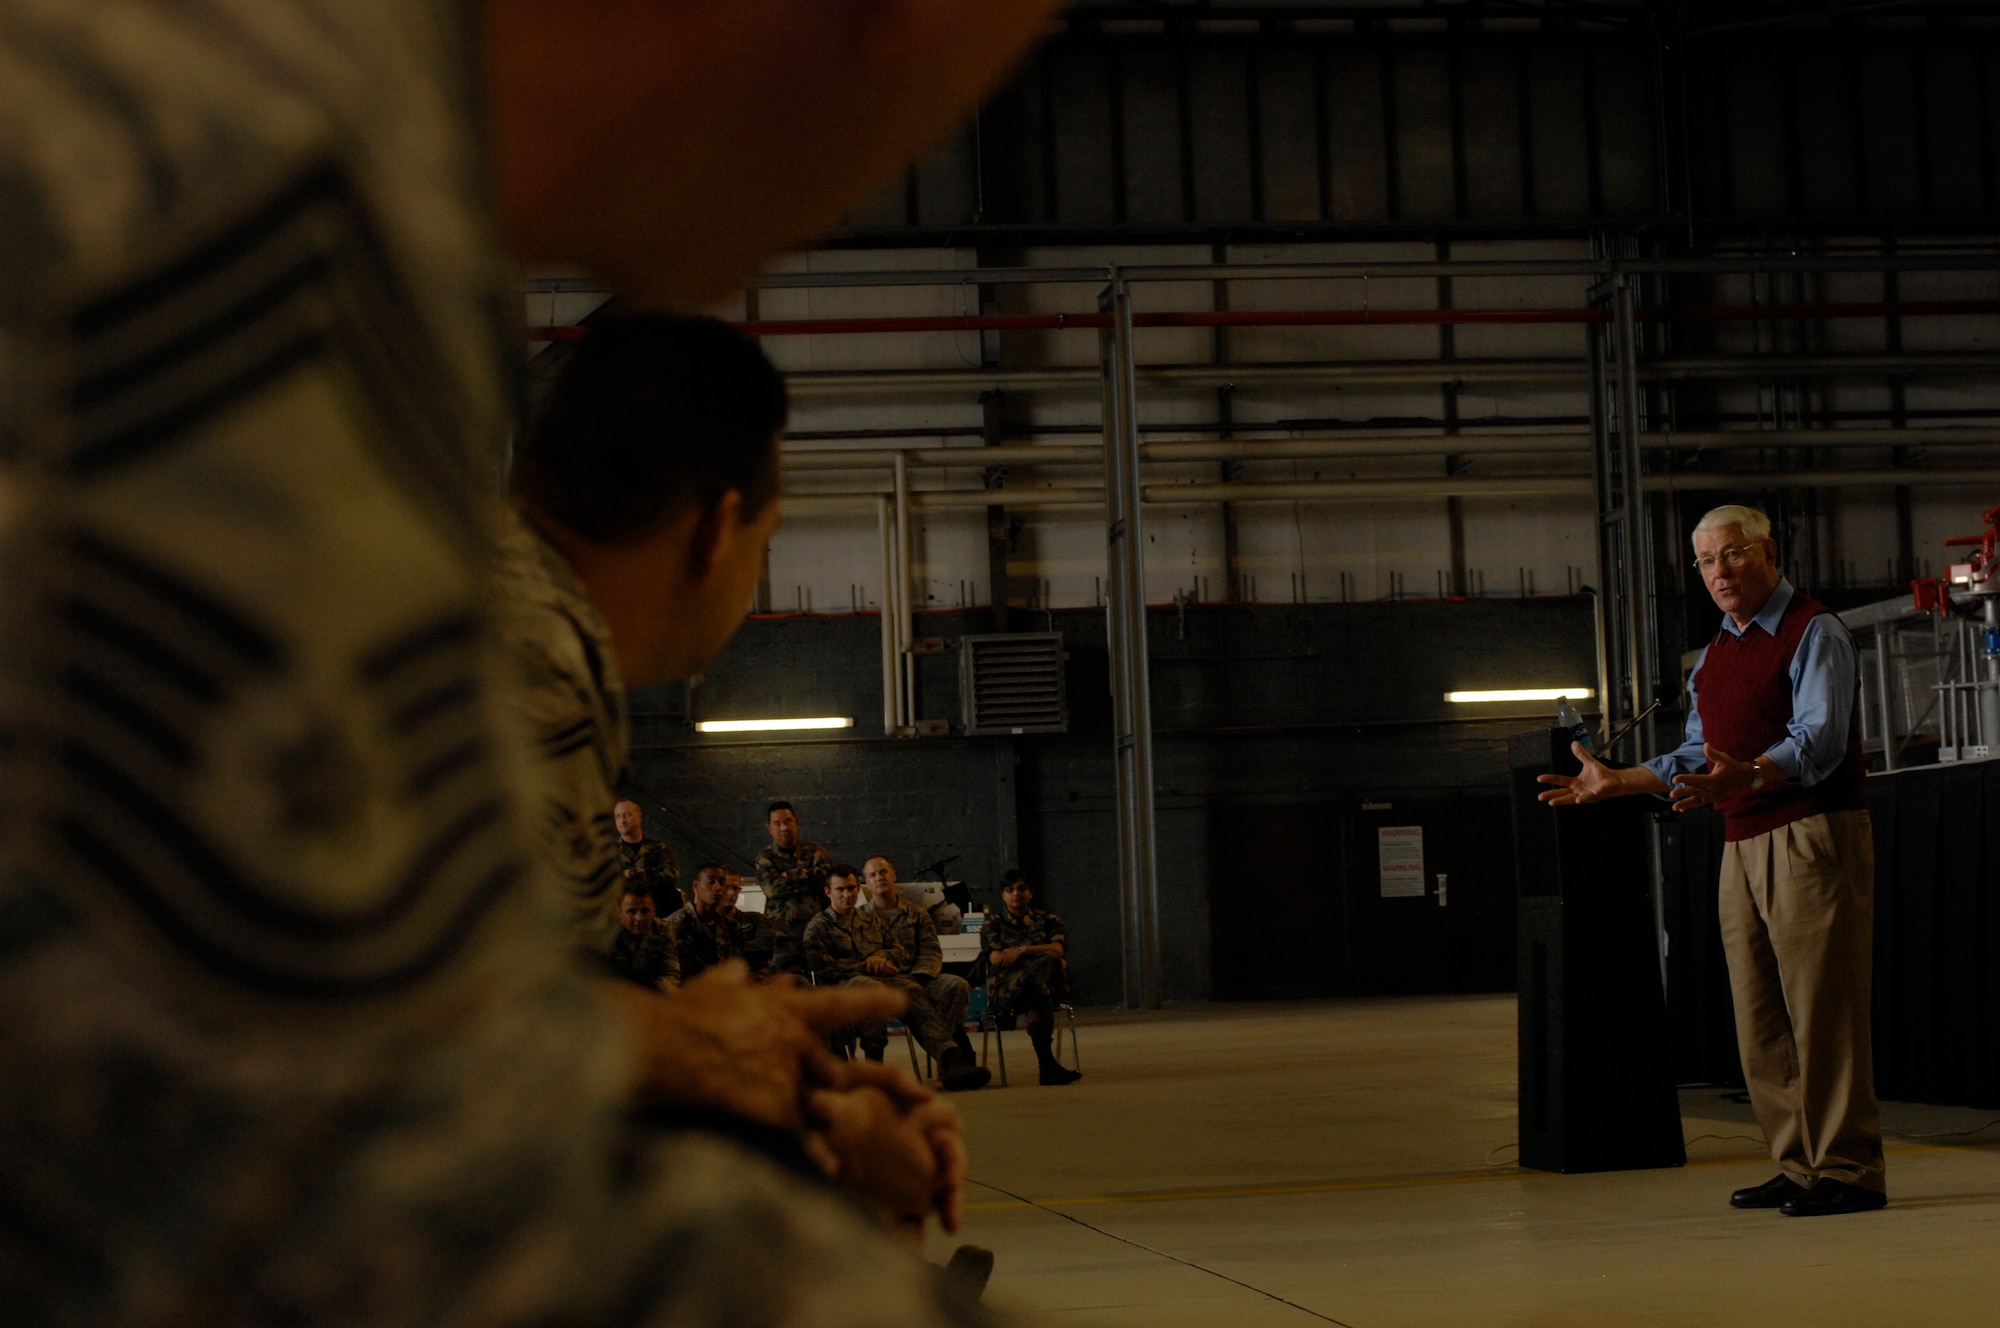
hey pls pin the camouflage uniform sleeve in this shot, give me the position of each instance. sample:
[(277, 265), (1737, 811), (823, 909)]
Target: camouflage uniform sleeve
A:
[(879, 935), (928, 961), (618, 958), (1000, 933), (814, 864), (753, 943), (1053, 932), (769, 871), (672, 931), (819, 946), (728, 940)]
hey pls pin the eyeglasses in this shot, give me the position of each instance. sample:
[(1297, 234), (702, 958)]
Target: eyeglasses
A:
[(1731, 557)]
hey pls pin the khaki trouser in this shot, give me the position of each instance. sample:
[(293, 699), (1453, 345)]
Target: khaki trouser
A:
[(1798, 926)]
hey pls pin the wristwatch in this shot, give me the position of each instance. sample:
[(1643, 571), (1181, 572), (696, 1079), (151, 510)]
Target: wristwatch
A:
[(1756, 776)]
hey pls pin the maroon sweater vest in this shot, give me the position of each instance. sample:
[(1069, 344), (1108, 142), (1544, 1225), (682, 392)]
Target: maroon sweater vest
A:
[(1744, 694)]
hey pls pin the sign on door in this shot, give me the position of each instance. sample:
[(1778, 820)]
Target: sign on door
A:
[(1402, 853)]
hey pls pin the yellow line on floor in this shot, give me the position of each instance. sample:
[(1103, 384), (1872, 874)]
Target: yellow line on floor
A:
[(1383, 1183), (1391, 1183)]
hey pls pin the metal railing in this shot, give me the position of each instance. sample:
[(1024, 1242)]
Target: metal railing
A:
[(1929, 689)]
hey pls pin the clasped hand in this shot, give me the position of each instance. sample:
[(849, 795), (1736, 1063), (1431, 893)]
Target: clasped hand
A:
[(891, 1143), (757, 1050)]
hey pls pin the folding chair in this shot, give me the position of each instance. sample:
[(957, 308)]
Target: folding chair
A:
[(910, 1041), (844, 1039), (989, 1019)]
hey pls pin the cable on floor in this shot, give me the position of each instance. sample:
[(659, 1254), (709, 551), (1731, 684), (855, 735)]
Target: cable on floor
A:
[(1174, 1258), (1951, 1134), (1723, 1138), (1490, 1157)]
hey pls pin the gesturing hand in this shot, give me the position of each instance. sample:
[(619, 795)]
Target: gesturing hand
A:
[(720, 1041), (1726, 778), (1593, 783)]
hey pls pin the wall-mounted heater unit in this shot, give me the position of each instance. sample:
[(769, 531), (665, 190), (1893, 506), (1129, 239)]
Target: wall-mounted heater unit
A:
[(1013, 683)]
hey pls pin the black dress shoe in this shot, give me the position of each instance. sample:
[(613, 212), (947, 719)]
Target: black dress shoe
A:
[(1773, 1193), (1828, 1196)]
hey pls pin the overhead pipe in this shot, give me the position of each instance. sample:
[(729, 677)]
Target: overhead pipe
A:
[(1375, 445), (1352, 270), (1376, 373), (1367, 317), (1298, 491), (1008, 454), (1371, 490), (1684, 480), (1703, 439), (1276, 449)]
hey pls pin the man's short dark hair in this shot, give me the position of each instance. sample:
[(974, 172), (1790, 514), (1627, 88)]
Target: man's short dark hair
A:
[(777, 807), (841, 869), (653, 413), (1015, 876), (706, 868)]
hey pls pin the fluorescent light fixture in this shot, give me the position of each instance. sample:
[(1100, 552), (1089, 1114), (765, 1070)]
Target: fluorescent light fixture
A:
[(773, 725), (1522, 694)]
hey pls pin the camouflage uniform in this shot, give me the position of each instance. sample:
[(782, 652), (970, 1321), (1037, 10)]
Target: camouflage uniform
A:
[(1033, 985), (794, 883), (837, 947), (755, 941), (650, 864), (649, 959), (938, 999), (573, 702), (299, 1043), (700, 943)]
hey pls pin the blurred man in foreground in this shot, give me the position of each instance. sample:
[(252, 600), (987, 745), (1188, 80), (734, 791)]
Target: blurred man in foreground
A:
[(253, 400)]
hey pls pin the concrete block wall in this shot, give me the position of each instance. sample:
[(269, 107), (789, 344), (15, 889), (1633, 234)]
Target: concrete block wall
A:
[(1252, 703)]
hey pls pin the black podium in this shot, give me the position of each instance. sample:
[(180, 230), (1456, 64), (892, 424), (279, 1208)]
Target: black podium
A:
[(1596, 1084)]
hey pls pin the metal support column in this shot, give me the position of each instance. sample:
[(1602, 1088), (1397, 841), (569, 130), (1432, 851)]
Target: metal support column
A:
[(1613, 644), (906, 686), (1628, 631), (1627, 627), (1131, 692), (1640, 610), (1884, 633), (892, 692)]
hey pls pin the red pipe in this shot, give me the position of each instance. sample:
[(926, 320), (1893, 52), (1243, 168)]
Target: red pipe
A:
[(794, 327)]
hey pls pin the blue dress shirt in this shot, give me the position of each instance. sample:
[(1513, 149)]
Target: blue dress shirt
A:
[(1824, 672)]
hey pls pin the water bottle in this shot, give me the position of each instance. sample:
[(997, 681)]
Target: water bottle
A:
[(1567, 717)]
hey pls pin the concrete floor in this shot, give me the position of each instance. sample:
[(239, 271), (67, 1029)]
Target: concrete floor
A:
[(1352, 1163)]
